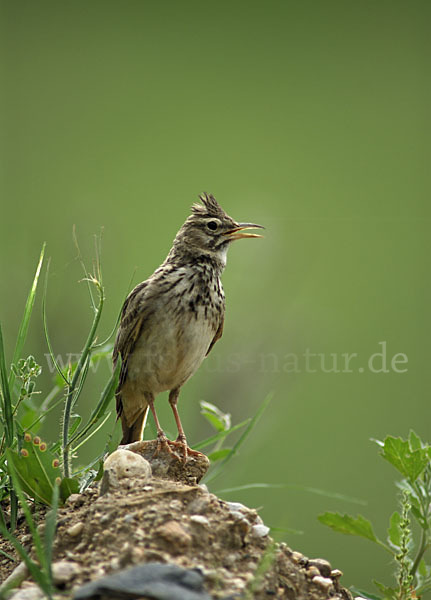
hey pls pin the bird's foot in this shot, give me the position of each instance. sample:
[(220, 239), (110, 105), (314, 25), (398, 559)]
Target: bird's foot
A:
[(185, 450), (178, 449)]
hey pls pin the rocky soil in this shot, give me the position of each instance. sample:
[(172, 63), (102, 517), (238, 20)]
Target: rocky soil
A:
[(154, 511)]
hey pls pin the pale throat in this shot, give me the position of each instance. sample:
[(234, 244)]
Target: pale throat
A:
[(222, 255)]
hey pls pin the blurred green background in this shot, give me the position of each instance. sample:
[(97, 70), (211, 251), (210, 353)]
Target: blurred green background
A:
[(311, 118)]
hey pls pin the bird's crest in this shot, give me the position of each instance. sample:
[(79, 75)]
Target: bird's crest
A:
[(209, 207)]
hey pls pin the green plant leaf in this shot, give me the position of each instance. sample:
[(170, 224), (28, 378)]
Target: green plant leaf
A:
[(388, 592), (219, 454), (219, 420), (415, 441), (214, 420), (348, 525), (364, 594), (409, 462), (394, 531), (43, 576), (38, 471)]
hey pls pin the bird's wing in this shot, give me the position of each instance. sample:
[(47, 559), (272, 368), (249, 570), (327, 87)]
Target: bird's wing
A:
[(131, 321), (218, 334)]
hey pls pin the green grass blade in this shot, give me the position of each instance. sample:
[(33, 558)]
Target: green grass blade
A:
[(23, 329), (6, 402), (50, 525), (35, 570), (90, 435), (326, 494), (102, 406), (28, 516), (250, 486), (8, 421), (45, 329), (5, 554), (219, 436), (242, 439), (294, 486)]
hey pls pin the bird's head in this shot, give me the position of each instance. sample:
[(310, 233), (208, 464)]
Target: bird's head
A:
[(209, 230)]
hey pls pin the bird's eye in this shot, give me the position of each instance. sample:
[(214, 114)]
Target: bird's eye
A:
[(212, 225)]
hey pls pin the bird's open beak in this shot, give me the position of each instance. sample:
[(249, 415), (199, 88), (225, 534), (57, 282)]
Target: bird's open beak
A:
[(237, 232)]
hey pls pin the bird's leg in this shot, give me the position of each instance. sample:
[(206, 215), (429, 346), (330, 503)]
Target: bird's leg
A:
[(162, 440), (181, 440)]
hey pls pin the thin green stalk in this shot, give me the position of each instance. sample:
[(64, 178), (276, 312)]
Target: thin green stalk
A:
[(421, 551), (101, 406), (424, 543), (45, 328), (75, 379), (22, 333)]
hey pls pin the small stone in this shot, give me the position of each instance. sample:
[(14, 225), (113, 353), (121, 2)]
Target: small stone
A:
[(323, 582), (74, 500), (174, 533), (236, 507), (75, 530), (230, 559), (312, 572), (200, 520), (27, 538), (81, 546), (336, 573), (259, 531), (238, 516), (296, 557), (237, 583), (120, 465), (128, 518), (105, 519), (139, 534), (16, 577), (29, 593), (323, 565), (64, 571)]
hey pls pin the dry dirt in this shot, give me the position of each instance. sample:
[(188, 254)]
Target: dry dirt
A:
[(139, 521)]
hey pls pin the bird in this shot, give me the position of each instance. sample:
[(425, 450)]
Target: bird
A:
[(170, 322)]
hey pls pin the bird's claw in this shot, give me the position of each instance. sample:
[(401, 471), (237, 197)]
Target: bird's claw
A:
[(171, 447)]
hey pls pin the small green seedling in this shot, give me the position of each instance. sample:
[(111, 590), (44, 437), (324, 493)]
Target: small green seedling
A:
[(412, 458)]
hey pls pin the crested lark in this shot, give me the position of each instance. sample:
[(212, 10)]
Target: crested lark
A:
[(171, 321)]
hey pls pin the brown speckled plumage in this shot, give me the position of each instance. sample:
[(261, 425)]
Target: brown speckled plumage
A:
[(172, 320)]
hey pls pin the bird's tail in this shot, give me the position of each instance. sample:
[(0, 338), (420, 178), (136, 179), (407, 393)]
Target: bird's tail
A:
[(133, 432)]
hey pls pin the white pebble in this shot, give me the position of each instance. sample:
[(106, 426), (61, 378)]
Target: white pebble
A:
[(64, 571), (200, 520), (323, 582), (260, 531), (75, 530)]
